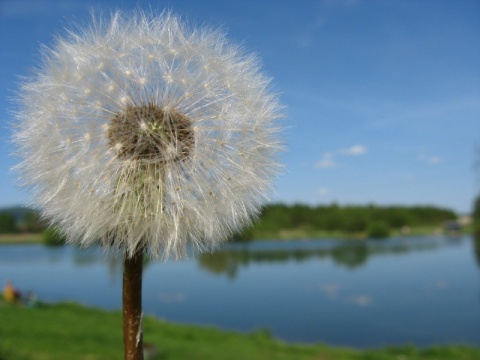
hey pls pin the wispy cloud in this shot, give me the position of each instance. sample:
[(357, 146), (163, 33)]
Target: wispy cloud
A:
[(384, 112), (323, 192), (354, 150), (305, 41), (326, 161), (431, 160)]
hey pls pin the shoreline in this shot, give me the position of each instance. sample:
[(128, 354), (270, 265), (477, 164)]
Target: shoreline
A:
[(21, 239), (300, 235)]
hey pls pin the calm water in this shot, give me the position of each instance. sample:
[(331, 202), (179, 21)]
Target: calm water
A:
[(363, 294)]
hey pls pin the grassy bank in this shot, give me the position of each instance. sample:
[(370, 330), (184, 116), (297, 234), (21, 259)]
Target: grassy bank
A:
[(28, 238), (308, 233), (70, 331)]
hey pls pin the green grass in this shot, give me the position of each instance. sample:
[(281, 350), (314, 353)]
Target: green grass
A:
[(70, 331)]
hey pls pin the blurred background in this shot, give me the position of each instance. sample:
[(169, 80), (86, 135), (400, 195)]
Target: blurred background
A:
[(370, 229)]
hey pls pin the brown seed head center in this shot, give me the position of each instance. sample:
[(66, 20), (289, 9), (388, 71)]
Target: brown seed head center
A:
[(147, 132)]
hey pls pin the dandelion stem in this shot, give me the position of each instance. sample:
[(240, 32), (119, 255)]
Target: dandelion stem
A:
[(132, 306)]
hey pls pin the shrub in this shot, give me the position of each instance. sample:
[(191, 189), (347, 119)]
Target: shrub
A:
[(378, 230), (7, 224), (51, 237)]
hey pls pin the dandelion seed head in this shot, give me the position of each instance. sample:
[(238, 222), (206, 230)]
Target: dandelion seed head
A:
[(147, 132), (141, 133)]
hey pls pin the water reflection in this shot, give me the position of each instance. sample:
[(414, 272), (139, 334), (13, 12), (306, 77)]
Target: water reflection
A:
[(476, 248), (97, 256), (349, 254)]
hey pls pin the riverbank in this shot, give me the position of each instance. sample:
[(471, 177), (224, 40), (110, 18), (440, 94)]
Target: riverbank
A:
[(71, 331), (303, 233), (16, 239), (292, 234)]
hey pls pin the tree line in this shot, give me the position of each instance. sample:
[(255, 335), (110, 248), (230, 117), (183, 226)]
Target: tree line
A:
[(373, 220), (20, 220)]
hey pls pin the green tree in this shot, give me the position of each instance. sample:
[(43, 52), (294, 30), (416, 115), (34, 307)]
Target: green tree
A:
[(7, 224), (246, 235), (378, 230), (31, 222), (476, 216), (334, 219), (51, 237), (355, 219)]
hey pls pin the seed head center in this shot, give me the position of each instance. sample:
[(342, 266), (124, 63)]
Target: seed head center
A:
[(147, 132)]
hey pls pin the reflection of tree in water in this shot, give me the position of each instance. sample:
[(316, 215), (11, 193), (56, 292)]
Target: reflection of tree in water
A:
[(350, 256), (86, 257), (228, 261), (114, 261), (476, 218), (221, 262)]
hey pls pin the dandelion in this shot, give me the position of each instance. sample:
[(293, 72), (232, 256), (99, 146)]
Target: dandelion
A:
[(141, 134)]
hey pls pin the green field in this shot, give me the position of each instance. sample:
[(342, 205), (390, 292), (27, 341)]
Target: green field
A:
[(70, 331)]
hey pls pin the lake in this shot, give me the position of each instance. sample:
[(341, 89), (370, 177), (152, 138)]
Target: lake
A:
[(371, 293)]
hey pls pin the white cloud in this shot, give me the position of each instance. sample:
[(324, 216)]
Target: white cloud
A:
[(354, 150), (326, 161)]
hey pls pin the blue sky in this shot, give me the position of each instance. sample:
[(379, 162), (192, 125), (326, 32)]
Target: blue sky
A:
[(382, 97)]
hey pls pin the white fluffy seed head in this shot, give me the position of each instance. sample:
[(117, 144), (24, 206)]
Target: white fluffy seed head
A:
[(139, 133)]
